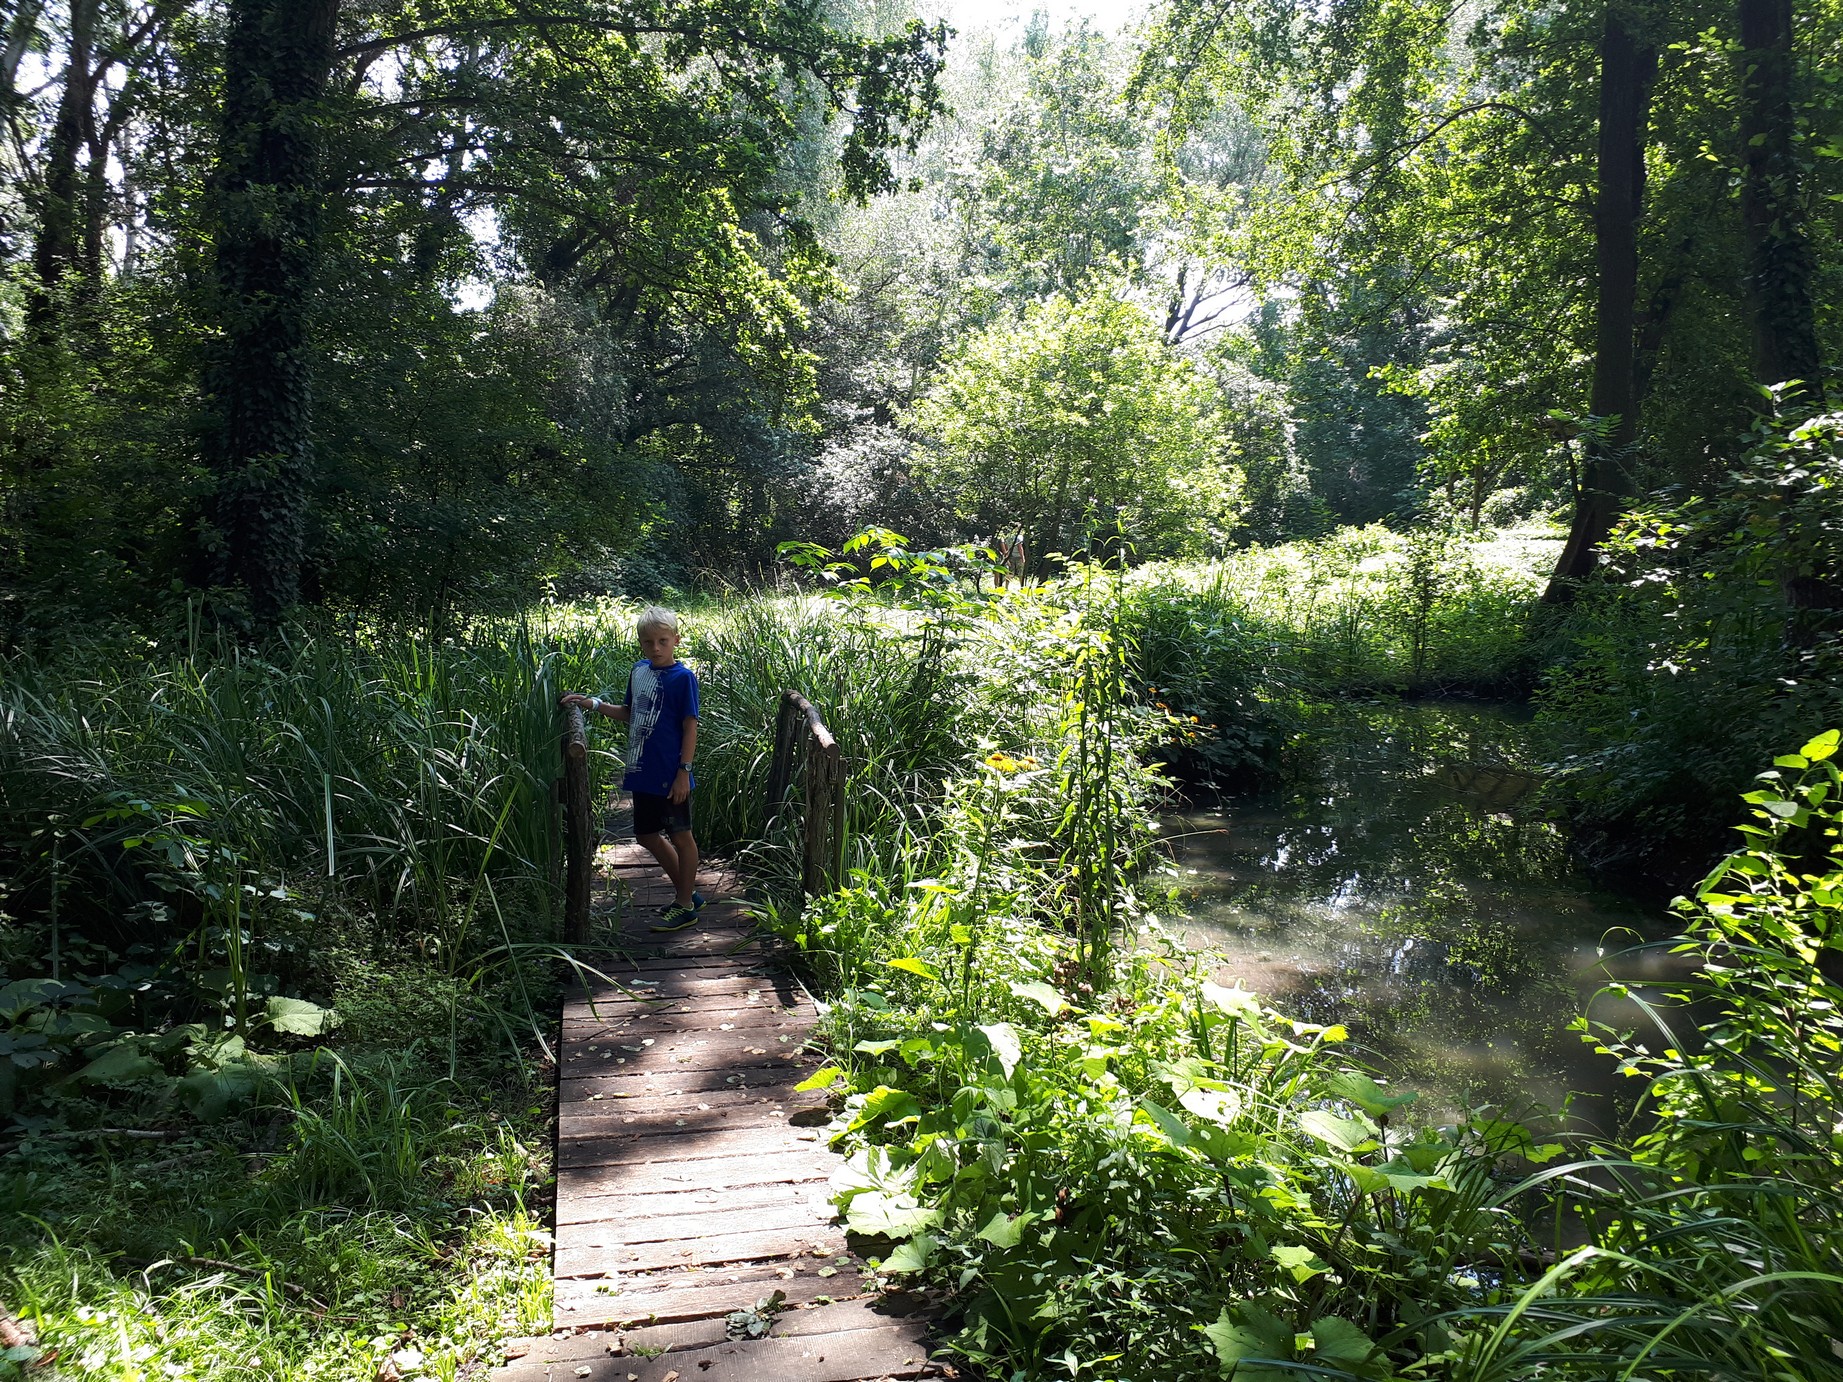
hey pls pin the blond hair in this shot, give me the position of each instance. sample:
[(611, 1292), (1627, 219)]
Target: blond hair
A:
[(655, 617)]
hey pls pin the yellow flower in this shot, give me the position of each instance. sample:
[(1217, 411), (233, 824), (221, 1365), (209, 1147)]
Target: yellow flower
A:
[(1002, 762)]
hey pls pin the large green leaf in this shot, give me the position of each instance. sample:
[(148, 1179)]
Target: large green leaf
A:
[(1366, 1094), (1217, 1105), (1247, 1340), (912, 1256), (1302, 1263), (1236, 1002), (298, 1017), (1349, 1134), (888, 1216), (892, 1105), (1340, 1343), (1167, 1122), (1004, 1230), (1039, 992), (871, 1168), (1822, 747), (21, 994), (120, 1064), (1003, 1039), (210, 1094)]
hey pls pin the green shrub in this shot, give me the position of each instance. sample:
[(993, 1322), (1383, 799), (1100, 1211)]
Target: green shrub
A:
[(1713, 634)]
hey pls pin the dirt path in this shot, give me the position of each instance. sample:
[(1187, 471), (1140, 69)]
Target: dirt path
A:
[(692, 1207)]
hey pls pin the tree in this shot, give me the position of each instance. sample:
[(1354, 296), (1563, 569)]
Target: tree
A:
[(1628, 66), (621, 162), (277, 59), (1546, 183), (1780, 260), (1074, 423)]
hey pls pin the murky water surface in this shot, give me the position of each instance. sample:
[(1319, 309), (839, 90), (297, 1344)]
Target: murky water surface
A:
[(1399, 884)]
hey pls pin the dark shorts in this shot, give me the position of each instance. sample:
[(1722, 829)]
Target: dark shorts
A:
[(656, 815)]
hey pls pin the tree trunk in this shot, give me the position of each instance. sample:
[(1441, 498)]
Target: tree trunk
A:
[(1780, 261), (1626, 72), (55, 252), (276, 62)]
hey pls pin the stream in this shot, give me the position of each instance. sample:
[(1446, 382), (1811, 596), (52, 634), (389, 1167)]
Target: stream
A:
[(1396, 882)]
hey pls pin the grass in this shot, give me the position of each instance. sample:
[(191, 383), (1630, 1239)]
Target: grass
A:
[(1243, 643), (286, 913), (358, 1205)]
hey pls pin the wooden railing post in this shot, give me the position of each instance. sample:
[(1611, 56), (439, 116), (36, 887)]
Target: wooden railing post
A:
[(781, 766), (821, 791), (835, 847), (801, 739), (578, 828)]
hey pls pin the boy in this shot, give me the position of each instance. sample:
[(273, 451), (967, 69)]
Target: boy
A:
[(661, 710)]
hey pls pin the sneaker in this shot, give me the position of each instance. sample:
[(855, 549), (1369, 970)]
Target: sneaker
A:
[(697, 902), (675, 918)]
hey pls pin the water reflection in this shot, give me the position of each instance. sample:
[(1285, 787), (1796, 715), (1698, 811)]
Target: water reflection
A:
[(1395, 885)]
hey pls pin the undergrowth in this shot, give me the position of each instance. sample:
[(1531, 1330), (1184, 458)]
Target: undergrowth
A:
[(1109, 1167)]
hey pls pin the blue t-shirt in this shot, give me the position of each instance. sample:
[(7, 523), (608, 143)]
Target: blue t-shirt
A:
[(660, 699)]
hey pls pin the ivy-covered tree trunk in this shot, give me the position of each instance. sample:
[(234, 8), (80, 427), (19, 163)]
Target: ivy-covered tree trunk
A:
[(55, 251), (1780, 260), (268, 193), (1627, 69)]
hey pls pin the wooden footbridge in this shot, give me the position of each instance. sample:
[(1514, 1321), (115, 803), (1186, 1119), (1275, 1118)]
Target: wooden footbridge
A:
[(695, 1241)]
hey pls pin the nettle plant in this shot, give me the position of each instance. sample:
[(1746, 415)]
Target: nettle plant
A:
[(1171, 1180)]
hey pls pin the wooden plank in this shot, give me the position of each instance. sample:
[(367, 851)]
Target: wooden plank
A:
[(695, 1295), (839, 1317), (764, 1053), (684, 1125), (756, 1074), (592, 1047), (672, 1119), (691, 1144), (600, 1254), (682, 1136), (587, 1183), (689, 945), (681, 1014), (652, 967), (695, 1054), (594, 1040), (578, 828), (693, 983), (893, 1351), (798, 1322), (813, 1197), (746, 991), (771, 1101), (815, 1187)]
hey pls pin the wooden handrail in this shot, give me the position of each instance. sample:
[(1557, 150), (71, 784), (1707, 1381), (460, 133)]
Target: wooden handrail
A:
[(801, 737), (578, 827)]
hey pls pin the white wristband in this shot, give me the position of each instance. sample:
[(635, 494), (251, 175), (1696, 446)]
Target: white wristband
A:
[(595, 705)]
